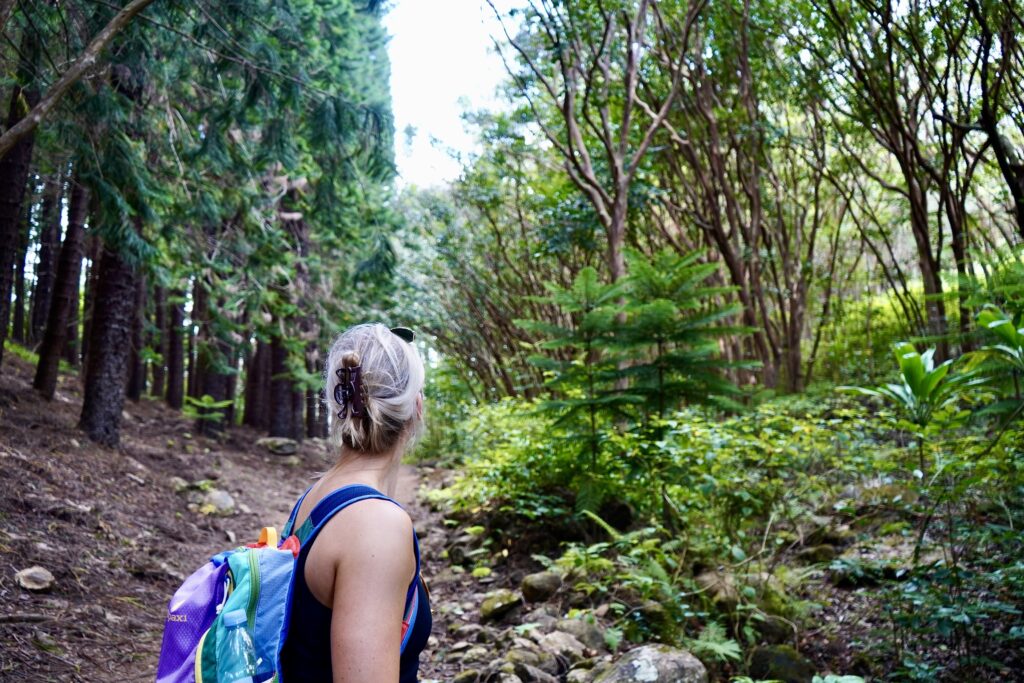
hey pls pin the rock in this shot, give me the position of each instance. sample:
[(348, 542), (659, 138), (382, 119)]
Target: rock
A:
[(721, 587), (579, 676), (562, 644), (542, 617), (498, 603), (541, 586), (178, 484), (781, 662), (545, 661), (655, 664), (36, 579), (219, 500), (279, 445), (585, 631), (531, 674), (472, 632), (817, 554), (476, 654), (466, 676)]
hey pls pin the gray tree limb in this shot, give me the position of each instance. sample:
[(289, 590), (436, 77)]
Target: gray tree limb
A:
[(81, 65)]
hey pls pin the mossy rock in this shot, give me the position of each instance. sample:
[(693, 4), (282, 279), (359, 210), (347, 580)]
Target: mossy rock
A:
[(540, 586), (498, 604), (781, 663)]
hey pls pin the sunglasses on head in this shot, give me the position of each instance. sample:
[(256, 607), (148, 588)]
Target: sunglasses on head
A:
[(404, 333)]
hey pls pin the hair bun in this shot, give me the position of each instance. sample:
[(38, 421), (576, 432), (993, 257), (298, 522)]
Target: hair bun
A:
[(350, 360)]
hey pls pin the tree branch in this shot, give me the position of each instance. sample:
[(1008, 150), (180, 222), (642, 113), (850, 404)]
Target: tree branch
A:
[(84, 62)]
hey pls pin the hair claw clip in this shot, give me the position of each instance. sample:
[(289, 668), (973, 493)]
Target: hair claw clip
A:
[(348, 392)]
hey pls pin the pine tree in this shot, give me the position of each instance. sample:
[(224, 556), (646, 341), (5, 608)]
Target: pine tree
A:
[(582, 370), (672, 332), (65, 294)]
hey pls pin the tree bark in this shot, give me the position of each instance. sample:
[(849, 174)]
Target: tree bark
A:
[(298, 412), (158, 339), (312, 403), (6, 7), (257, 387), (137, 363), (65, 294), (195, 331), (95, 251), (109, 348), (280, 409), (46, 263), (71, 355), (322, 416), (14, 165), (176, 350), (213, 355), (18, 322)]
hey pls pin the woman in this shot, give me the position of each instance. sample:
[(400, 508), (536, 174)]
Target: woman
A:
[(361, 574)]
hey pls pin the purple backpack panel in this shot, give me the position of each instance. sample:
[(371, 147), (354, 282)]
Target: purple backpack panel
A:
[(189, 615)]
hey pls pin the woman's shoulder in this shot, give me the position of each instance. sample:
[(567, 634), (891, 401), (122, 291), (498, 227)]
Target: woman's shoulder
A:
[(378, 514), (370, 525)]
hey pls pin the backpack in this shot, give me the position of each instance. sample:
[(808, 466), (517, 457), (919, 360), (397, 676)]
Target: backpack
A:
[(259, 579)]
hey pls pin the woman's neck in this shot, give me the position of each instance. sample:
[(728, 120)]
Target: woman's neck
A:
[(379, 471)]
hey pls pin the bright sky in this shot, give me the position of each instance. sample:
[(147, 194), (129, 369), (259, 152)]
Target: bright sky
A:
[(442, 65)]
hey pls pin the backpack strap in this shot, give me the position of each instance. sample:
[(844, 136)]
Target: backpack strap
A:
[(288, 527), (324, 511)]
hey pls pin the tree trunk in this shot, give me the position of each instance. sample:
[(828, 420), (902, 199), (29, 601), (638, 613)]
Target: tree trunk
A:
[(14, 167), (95, 251), (70, 351), (46, 263), (213, 356), (794, 356), (158, 339), (137, 363), (931, 272), (280, 408), (256, 387), (176, 350), (24, 238), (109, 348), (195, 331), (232, 392), (298, 411), (322, 417), (65, 294), (312, 395)]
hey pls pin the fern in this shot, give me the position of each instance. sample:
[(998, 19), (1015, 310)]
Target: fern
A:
[(715, 644)]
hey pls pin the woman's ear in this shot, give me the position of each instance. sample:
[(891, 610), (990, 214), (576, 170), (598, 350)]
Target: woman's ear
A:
[(419, 406)]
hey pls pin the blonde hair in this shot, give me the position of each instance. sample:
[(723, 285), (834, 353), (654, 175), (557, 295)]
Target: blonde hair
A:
[(392, 378)]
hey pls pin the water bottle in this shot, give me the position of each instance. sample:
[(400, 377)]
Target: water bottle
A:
[(236, 655)]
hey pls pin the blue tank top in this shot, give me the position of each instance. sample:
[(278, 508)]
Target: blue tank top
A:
[(306, 654)]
